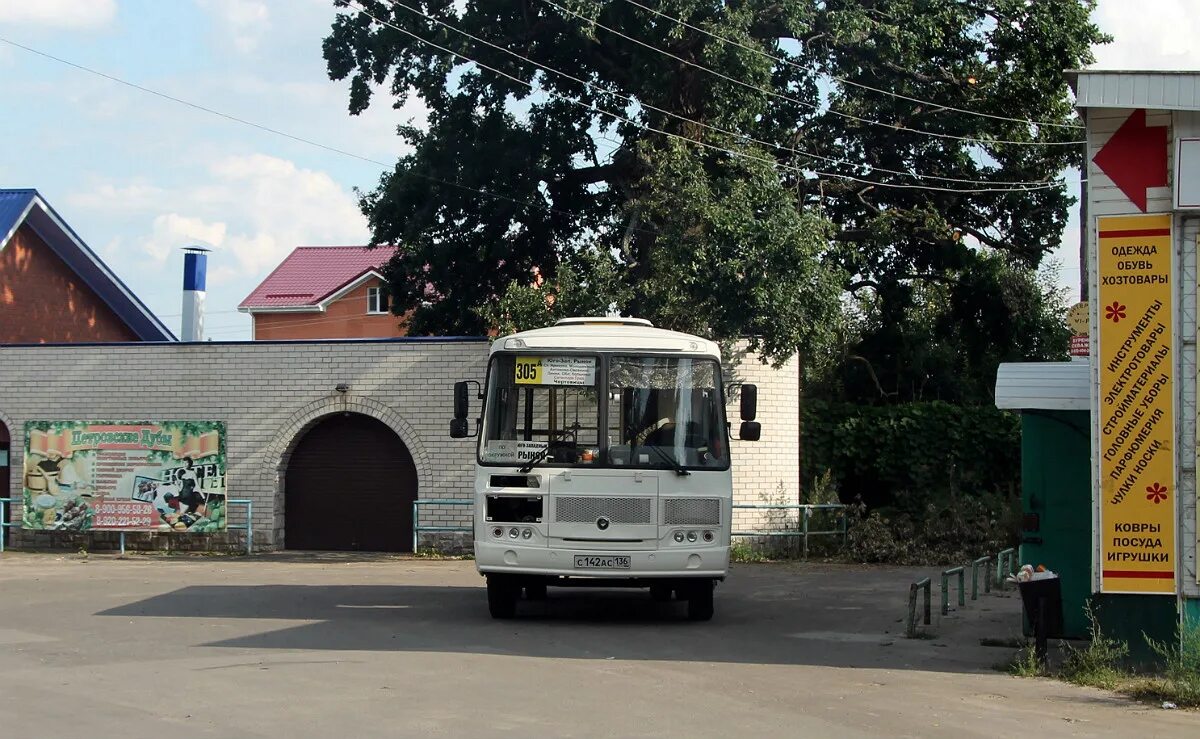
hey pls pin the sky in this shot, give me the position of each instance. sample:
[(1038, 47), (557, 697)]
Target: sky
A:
[(139, 177)]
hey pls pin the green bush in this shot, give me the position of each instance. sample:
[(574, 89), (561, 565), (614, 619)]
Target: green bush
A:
[(905, 456), (929, 482)]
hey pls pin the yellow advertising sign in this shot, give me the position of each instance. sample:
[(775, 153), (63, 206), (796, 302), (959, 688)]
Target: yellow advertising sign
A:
[(1137, 418), (1077, 319)]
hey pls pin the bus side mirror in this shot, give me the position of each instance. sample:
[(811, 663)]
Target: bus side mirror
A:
[(750, 431), (462, 405), (749, 403)]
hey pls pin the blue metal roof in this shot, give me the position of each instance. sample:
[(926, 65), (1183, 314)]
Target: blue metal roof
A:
[(27, 207), (13, 204)]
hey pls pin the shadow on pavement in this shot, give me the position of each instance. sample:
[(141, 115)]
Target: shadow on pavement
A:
[(761, 618)]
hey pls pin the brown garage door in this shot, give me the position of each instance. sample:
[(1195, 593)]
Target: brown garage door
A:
[(349, 486)]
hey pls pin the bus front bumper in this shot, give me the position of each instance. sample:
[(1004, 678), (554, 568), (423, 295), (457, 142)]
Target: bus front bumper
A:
[(705, 562)]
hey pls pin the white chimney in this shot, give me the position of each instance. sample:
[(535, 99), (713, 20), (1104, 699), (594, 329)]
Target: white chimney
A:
[(195, 269)]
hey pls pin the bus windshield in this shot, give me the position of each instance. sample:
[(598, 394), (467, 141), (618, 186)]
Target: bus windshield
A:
[(659, 412), (665, 411), (542, 406)]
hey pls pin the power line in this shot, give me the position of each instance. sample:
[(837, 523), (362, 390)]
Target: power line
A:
[(805, 103), (845, 81), (731, 152), (648, 106), (300, 139)]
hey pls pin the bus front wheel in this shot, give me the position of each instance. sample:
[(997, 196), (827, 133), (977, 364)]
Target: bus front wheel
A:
[(502, 596), (700, 601)]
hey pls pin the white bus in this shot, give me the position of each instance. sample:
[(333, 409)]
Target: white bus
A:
[(603, 459)]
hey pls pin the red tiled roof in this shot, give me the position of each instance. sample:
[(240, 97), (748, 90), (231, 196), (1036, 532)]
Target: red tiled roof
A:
[(312, 273)]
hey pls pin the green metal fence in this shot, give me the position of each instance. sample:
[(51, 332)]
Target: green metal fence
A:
[(5, 524), (804, 530), (247, 527), (417, 528)]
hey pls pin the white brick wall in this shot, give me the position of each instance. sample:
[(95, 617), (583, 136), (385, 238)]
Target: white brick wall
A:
[(768, 470), (268, 394)]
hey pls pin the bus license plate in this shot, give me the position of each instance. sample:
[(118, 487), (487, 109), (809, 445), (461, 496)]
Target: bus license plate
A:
[(588, 562)]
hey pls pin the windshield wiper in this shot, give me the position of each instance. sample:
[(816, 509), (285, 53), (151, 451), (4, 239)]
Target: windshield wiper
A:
[(674, 463), (543, 452)]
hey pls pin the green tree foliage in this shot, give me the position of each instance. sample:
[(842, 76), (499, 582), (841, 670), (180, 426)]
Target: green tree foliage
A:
[(944, 339), (749, 233)]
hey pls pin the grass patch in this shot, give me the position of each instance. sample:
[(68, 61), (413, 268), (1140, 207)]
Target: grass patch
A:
[(745, 553), (1025, 663), (434, 554), (1101, 665)]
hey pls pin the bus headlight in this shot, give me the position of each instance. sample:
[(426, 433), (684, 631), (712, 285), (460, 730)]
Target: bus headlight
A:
[(691, 536), (497, 532), (708, 536), (512, 533), (527, 534), (679, 536)]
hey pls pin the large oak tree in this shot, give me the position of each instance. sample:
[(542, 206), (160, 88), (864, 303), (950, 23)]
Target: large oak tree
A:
[(764, 200)]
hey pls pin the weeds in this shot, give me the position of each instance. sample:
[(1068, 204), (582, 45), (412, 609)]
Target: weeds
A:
[(1099, 663), (1026, 663), (746, 554), (1180, 681), (428, 553)]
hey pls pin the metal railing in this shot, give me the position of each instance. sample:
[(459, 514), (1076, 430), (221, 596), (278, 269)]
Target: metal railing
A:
[(417, 528), (1009, 556), (5, 524), (805, 516), (962, 589), (985, 563), (923, 584), (1006, 561), (247, 527)]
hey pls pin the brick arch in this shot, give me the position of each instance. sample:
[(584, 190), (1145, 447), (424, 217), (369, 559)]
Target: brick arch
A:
[(277, 452), (16, 449)]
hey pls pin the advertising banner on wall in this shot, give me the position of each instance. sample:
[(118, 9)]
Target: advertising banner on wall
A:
[(1137, 417), (124, 476)]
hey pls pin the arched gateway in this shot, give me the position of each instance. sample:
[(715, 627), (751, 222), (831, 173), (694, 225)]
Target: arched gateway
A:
[(349, 485)]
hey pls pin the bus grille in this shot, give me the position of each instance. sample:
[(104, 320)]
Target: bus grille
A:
[(586, 509), (691, 511)]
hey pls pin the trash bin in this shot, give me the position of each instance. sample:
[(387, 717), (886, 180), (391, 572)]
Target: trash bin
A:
[(1042, 600)]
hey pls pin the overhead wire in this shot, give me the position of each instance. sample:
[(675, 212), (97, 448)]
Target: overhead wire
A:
[(722, 149), (805, 103), (845, 81), (293, 137), (736, 134)]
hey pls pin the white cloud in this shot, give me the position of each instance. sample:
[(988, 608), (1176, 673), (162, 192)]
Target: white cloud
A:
[(245, 20), (106, 196), (1151, 34), (172, 231), (58, 13), (253, 209)]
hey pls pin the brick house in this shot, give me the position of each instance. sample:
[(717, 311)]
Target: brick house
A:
[(324, 292), (54, 289)]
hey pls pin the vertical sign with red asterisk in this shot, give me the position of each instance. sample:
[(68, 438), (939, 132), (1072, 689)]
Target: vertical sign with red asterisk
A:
[(1136, 355)]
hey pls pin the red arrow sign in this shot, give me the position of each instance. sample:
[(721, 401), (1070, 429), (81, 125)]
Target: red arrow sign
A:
[(1135, 158)]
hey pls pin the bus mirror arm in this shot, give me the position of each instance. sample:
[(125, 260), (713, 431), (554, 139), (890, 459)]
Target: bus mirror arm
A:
[(747, 397), (459, 428)]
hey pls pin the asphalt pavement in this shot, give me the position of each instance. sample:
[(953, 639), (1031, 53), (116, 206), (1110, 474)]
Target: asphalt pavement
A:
[(347, 646)]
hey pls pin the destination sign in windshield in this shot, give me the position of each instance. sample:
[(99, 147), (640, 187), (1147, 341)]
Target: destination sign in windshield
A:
[(570, 371)]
